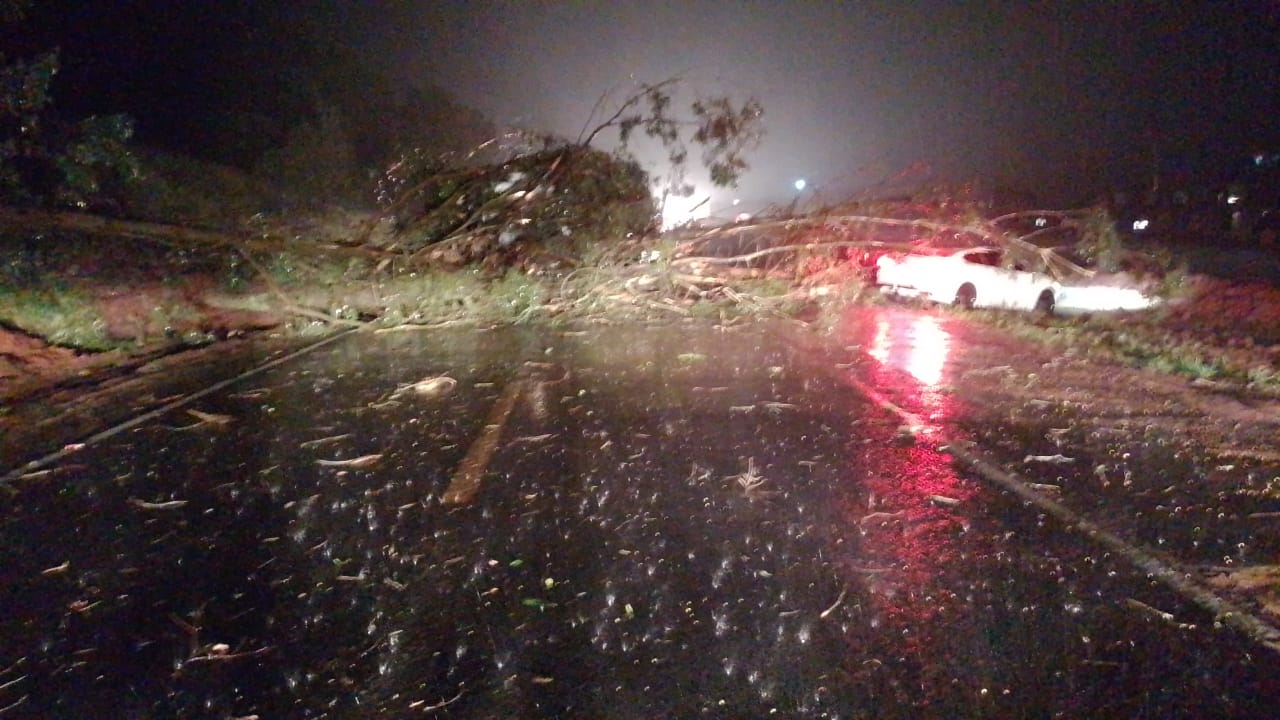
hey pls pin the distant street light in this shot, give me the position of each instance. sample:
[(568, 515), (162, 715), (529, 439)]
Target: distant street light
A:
[(800, 184)]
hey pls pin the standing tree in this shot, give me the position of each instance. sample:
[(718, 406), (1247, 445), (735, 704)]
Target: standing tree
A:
[(43, 159)]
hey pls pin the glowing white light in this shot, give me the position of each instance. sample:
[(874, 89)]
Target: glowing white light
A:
[(801, 184), (1140, 225), (677, 210), (929, 349), (1101, 298), (1042, 222), (1233, 199), (919, 347)]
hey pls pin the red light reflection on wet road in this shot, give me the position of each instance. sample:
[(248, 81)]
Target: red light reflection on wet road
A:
[(913, 509), (919, 346)]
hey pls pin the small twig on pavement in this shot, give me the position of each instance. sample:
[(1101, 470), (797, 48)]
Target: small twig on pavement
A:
[(440, 705), (881, 515), (167, 505), (1166, 617), (827, 613), (219, 654), (324, 440), (363, 461)]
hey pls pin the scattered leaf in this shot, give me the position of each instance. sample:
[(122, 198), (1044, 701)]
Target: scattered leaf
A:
[(363, 461), (210, 418), (56, 569), (325, 440), (1051, 459), (533, 438), (168, 505), (438, 386)]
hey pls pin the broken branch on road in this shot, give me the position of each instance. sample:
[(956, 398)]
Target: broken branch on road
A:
[(363, 461), (166, 505)]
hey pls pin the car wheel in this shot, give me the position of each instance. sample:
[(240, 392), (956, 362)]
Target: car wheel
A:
[(1045, 303), (966, 296)]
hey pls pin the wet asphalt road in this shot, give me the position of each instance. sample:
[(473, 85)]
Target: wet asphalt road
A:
[(662, 522)]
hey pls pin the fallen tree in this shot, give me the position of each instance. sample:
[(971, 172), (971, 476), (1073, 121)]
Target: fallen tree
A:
[(523, 189), (793, 236), (453, 213)]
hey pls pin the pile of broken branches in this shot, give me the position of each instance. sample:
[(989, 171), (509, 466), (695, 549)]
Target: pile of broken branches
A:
[(454, 211)]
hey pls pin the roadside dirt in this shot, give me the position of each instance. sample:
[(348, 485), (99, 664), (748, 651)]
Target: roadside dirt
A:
[(155, 318), (24, 359)]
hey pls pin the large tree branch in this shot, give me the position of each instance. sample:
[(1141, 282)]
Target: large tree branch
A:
[(645, 90), (1059, 266)]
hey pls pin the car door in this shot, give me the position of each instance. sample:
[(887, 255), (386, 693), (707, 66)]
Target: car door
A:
[(1000, 286)]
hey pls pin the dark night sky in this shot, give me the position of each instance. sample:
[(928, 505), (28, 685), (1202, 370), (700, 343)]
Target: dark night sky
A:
[(1062, 98)]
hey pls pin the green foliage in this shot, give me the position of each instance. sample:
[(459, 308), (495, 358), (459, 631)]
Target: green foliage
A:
[(24, 93), (97, 153), (517, 297), (523, 188), (1263, 376), (187, 191), (44, 161), (59, 314), (24, 90), (1100, 243), (605, 197), (468, 296), (1180, 361), (562, 193), (724, 131)]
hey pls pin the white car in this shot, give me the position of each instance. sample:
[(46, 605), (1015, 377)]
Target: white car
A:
[(1083, 298), (973, 277)]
